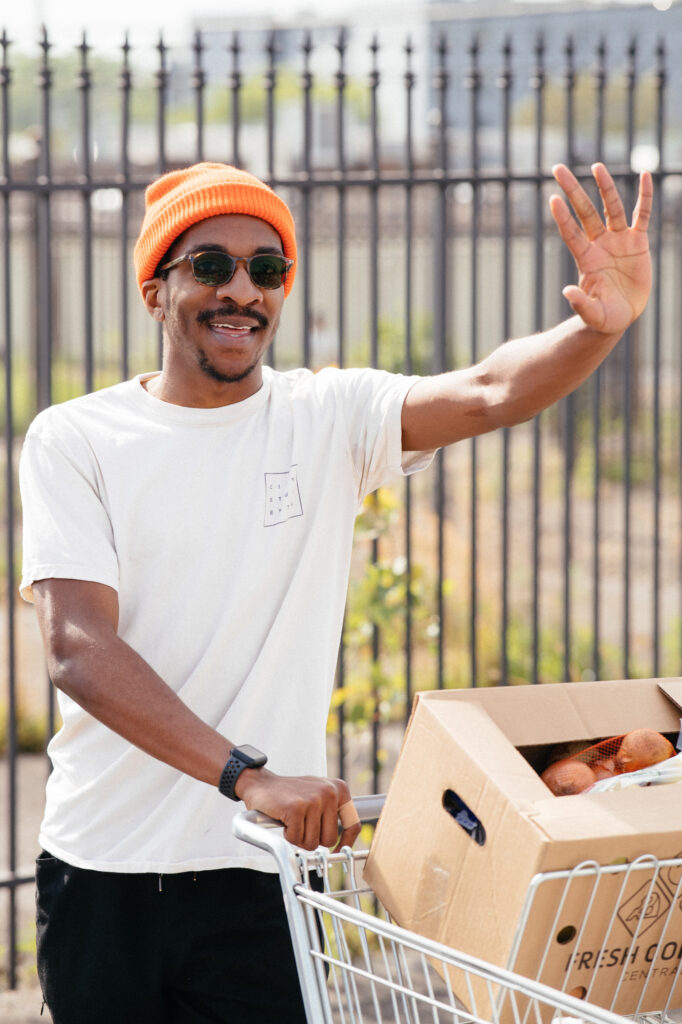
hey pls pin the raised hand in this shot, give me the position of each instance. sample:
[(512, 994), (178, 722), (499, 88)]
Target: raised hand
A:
[(612, 257)]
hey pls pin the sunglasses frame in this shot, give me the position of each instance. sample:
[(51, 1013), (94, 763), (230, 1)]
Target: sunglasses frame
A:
[(246, 260)]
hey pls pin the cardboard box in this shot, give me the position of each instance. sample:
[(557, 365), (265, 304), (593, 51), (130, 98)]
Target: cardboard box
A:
[(468, 824)]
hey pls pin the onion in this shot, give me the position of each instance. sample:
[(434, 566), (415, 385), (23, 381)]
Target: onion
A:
[(568, 776), (642, 748)]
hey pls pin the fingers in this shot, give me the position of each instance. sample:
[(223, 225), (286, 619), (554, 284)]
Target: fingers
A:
[(348, 837), (312, 816), (592, 224), (350, 824), (645, 200), (614, 211), (570, 233)]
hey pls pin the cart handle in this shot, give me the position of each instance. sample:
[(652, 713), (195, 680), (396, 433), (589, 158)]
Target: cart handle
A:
[(368, 807)]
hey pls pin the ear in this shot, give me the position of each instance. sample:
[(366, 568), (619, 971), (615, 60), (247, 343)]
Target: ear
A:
[(152, 297)]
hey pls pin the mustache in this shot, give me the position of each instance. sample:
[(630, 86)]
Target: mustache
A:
[(232, 309)]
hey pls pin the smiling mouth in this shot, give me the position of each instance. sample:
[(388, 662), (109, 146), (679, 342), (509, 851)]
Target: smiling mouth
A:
[(245, 320), (233, 330)]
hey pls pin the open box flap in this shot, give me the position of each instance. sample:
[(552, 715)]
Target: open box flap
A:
[(672, 688), (562, 712), (641, 811)]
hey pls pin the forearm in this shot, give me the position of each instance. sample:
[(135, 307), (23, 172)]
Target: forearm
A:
[(89, 661), (118, 687), (515, 382), (526, 375)]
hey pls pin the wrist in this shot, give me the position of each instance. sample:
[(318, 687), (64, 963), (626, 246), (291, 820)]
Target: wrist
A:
[(249, 778), (242, 759)]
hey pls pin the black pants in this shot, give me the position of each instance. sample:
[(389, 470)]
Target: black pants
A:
[(207, 949)]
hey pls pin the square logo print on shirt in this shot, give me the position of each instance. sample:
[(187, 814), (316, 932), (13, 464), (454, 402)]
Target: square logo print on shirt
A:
[(282, 497)]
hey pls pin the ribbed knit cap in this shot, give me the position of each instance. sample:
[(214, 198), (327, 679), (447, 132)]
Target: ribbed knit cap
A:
[(181, 198)]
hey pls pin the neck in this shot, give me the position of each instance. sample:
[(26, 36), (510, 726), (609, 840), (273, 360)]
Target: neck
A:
[(207, 393)]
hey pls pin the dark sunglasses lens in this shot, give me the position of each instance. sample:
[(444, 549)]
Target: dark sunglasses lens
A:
[(268, 271), (213, 268)]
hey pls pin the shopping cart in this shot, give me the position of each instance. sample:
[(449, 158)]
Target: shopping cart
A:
[(356, 966)]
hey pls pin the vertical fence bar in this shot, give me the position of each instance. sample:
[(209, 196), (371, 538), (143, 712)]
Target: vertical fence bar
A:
[(538, 83), (473, 83), (568, 404), (306, 160), (627, 344), (44, 332), (341, 193), (161, 161), (198, 84), (374, 209), (597, 382), (43, 261), (125, 84), (341, 44), (505, 84), (84, 85), (374, 361), (5, 79), (440, 278), (409, 83), (161, 99), (270, 84), (235, 85), (657, 243)]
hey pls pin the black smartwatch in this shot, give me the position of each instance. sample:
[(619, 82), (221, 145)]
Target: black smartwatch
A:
[(240, 758)]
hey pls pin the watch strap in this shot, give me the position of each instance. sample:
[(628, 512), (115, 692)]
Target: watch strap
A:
[(239, 759), (234, 766)]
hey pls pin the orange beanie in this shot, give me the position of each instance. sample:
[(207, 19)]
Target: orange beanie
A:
[(181, 198)]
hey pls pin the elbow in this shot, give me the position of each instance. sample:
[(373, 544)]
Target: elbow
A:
[(70, 664), (504, 407), (494, 403), (64, 668)]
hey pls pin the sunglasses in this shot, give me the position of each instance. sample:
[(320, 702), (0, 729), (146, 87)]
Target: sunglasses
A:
[(266, 270)]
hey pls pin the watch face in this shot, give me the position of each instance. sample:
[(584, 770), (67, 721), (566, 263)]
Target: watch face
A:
[(250, 755)]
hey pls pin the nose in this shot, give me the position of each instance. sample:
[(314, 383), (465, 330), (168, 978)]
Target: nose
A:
[(240, 287)]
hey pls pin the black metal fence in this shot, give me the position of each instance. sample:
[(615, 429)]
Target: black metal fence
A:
[(418, 172)]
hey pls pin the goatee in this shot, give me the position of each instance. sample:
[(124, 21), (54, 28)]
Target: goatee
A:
[(225, 378)]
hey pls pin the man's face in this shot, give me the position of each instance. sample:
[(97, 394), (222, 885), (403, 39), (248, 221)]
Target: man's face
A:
[(215, 337)]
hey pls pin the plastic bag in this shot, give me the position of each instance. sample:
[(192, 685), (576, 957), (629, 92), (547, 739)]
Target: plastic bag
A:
[(655, 775)]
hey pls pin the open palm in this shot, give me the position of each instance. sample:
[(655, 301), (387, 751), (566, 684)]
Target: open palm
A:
[(612, 257)]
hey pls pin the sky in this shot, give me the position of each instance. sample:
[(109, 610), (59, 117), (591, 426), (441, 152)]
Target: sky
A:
[(106, 18), (106, 21)]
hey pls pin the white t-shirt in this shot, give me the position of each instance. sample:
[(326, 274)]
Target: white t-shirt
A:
[(227, 535)]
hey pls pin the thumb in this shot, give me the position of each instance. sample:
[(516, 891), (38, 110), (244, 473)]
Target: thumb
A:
[(587, 307)]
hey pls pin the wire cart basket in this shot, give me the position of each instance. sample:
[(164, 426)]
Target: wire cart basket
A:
[(356, 966)]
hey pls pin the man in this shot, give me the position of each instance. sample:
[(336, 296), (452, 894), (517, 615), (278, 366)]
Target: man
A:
[(187, 542)]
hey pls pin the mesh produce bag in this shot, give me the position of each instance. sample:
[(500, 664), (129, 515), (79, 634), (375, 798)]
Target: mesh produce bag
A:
[(614, 756)]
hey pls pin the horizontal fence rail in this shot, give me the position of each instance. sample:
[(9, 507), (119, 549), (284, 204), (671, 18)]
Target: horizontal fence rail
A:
[(418, 170)]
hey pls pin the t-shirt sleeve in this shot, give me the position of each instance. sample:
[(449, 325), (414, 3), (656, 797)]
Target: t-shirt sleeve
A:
[(67, 532), (373, 402)]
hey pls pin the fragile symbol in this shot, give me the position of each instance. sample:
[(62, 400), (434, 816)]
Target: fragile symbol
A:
[(650, 907), (644, 908)]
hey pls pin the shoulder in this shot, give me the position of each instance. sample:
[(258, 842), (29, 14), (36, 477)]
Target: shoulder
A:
[(341, 382), (83, 406), (61, 415)]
